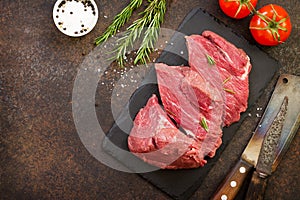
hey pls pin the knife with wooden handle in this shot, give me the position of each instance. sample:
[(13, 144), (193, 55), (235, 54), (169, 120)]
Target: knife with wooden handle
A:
[(289, 86), (266, 157)]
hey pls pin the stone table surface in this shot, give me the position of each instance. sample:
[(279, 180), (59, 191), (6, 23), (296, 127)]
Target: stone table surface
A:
[(42, 156)]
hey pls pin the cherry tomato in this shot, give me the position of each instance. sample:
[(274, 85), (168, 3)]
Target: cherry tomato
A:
[(271, 25), (237, 8)]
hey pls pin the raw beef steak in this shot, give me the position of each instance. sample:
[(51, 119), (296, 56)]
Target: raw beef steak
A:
[(191, 100), (156, 140), (201, 99), (177, 103), (233, 67)]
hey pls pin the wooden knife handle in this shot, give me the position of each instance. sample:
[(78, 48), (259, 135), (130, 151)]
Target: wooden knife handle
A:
[(257, 187), (233, 182)]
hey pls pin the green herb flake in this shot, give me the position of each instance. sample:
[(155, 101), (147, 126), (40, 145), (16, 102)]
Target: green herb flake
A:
[(226, 80), (229, 90), (210, 60), (204, 125)]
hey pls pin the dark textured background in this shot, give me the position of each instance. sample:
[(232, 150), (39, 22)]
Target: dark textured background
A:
[(41, 154)]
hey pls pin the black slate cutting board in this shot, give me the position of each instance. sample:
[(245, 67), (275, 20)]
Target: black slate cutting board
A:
[(181, 184)]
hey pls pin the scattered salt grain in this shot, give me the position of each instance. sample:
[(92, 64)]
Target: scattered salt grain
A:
[(181, 52), (249, 114), (98, 70), (105, 16), (257, 115), (172, 43), (259, 125)]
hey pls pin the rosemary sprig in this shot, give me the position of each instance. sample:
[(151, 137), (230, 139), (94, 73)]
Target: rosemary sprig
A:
[(148, 27), (151, 34), (119, 21)]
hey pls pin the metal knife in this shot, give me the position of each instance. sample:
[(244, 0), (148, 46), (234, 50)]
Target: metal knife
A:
[(287, 85), (267, 155)]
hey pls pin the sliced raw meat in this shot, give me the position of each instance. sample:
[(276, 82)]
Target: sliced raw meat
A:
[(190, 100), (171, 82), (198, 98), (233, 67), (156, 140)]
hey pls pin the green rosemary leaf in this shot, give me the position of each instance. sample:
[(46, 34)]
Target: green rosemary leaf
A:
[(210, 60), (229, 90), (203, 123), (226, 80)]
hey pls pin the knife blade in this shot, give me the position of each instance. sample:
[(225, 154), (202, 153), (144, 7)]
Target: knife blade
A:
[(267, 155), (287, 85)]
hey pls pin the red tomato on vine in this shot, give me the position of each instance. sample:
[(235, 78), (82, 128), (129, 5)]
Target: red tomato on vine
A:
[(271, 25), (237, 8)]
